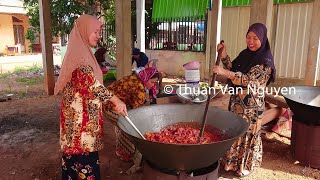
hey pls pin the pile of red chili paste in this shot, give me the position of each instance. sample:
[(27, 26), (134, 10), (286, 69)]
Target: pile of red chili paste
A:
[(185, 133)]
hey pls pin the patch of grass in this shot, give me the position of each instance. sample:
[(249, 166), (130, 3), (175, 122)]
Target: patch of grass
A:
[(4, 75), (32, 68), (5, 92), (21, 95), (19, 70), (30, 80)]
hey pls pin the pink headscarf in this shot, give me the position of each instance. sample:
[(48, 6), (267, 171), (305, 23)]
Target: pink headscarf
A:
[(79, 51), (145, 75)]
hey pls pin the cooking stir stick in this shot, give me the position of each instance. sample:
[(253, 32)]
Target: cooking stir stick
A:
[(208, 100), (134, 127)]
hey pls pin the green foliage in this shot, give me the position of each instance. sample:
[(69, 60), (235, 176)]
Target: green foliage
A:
[(36, 79), (109, 12), (30, 35), (33, 68), (30, 80), (64, 13), (4, 75), (151, 28), (109, 15), (18, 70), (111, 47)]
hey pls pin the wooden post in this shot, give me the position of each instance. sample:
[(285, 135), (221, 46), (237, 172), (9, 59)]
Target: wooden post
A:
[(123, 36), (261, 11), (214, 32), (141, 25), (313, 57), (205, 68), (46, 45)]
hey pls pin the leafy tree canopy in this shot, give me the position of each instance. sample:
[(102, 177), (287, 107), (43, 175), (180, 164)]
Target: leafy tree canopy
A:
[(65, 12)]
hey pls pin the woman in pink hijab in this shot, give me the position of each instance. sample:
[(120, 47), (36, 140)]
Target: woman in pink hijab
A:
[(83, 95), (134, 90)]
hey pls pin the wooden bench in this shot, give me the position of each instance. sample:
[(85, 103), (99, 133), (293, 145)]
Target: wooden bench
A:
[(12, 50)]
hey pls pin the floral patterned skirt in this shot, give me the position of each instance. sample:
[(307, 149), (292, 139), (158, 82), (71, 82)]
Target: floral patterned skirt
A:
[(81, 166)]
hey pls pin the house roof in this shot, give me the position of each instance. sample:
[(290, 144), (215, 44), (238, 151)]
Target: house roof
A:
[(12, 7)]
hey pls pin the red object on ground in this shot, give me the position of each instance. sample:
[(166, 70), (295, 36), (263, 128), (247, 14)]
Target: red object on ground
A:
[(284, 124), (104, 70), (176, 134)]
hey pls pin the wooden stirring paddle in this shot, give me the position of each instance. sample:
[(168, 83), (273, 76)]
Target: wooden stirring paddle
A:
[(208, 100)]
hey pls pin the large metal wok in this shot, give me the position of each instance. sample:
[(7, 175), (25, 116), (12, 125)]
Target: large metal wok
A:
[(181, 157), (305, 103)]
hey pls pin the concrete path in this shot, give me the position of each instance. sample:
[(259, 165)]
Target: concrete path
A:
[(9, 63)]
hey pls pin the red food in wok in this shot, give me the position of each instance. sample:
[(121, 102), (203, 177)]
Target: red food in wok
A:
[(184, 134)]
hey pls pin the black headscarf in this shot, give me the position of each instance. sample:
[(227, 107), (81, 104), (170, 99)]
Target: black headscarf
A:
[(99, 54), (248, 59)]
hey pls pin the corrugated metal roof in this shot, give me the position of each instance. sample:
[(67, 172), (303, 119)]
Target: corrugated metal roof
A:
[(179, 10), (248, 2), (187, 10)]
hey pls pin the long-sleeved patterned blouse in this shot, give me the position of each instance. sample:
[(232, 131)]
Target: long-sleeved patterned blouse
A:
[(130, 90), (81, 123), (258, 77)]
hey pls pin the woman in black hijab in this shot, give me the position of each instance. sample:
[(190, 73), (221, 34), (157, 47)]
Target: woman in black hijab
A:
[(100, 56), (253, 68)]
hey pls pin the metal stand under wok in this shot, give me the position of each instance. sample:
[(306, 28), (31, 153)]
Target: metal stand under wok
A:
[(151, 172), (305, 104)]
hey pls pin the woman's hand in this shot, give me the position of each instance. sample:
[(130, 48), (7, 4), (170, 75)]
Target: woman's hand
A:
[(223, 72), (119, 106), (219, 70), (224, 49)]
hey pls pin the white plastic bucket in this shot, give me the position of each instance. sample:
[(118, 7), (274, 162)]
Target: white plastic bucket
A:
[(192, 75)]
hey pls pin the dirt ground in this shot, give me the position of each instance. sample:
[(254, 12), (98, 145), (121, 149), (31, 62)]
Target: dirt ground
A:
[(29, 138)]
